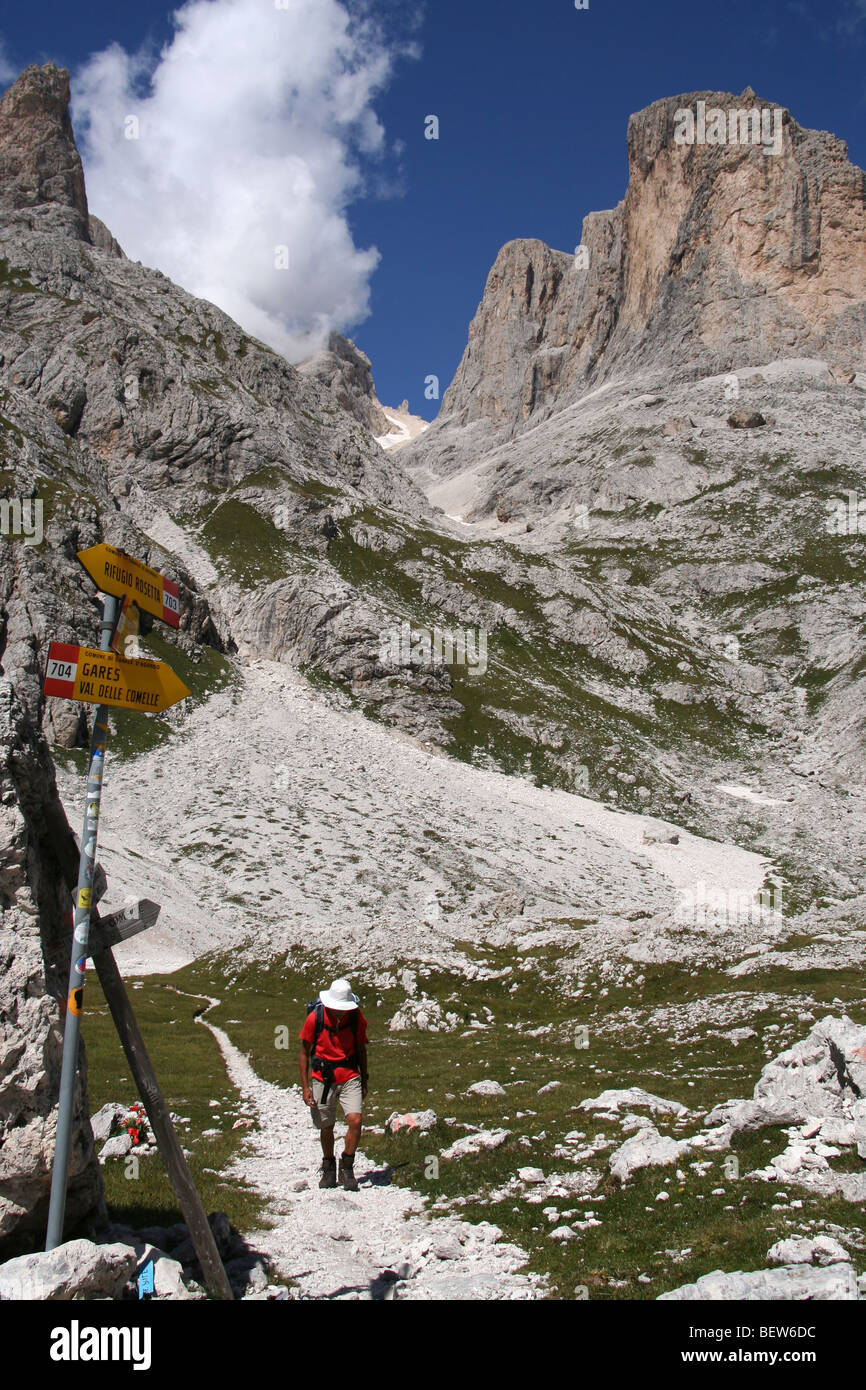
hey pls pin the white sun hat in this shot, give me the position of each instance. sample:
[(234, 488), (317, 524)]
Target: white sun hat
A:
[(339, 997)]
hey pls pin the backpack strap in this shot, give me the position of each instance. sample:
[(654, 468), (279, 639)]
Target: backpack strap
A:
[(322, 1064), (319, 1010)]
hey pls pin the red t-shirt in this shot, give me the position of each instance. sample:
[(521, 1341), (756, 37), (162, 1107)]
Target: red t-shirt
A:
[(336, 1046)]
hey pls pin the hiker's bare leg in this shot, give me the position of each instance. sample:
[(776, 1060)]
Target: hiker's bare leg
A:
[(353, 1135), (327, 1138)]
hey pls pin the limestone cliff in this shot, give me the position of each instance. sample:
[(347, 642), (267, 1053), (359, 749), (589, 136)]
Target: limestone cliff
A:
[(719, 256)]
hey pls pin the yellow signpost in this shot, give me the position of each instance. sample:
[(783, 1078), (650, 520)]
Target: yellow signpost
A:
[(117, 573), (101, 676), (104, 678)]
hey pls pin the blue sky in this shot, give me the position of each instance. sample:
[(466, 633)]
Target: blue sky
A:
[(533, 100)]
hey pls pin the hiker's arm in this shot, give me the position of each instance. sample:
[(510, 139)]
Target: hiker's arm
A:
[(362, 1067), (304, 1069)]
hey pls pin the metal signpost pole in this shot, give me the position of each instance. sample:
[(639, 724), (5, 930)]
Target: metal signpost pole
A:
[(81, 931)]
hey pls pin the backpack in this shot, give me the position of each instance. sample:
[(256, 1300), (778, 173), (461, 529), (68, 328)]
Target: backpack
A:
[(322, 1064)]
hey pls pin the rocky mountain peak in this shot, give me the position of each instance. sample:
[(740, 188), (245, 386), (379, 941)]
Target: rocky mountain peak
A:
[(39, 163), (741, 239), (41, 176), (346, 371)]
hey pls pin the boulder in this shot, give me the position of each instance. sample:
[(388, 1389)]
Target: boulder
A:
[(477, 1143), (530, 1175), (791, 1283), (118, 1147), (821, 1077), (103, 1122), (633, 1096), (447, 1247), (421, 1120), (168, 1279), (800, 1250), (485, 1088), (78, 1269), (646, 1149), (746, 420)]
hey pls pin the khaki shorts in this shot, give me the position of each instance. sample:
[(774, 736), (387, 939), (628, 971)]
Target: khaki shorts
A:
[(351, 1099)]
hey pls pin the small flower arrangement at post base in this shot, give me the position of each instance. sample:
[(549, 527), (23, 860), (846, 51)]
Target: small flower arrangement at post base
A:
[(135, 1124)]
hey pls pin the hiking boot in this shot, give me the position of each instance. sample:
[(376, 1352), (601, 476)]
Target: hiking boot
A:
[(347, 1173), (329, 1173)]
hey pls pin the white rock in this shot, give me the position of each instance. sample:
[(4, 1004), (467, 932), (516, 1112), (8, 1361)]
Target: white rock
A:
[(447, 1247), (803, 1083), (738, 1035), (794, 1283), (117, 1147), (533, 1175), (422, 1120), (551, 1086), (563, 1233), (77, 1268), (646, 1149), (800, 1250), (424, 1014), (486, 1088), (476, 1143), (630, 1122), (103, 1122), (633, 1096), (842, 1132)]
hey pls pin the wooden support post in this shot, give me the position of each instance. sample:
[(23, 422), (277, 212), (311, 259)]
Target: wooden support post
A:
[(144, 1076)]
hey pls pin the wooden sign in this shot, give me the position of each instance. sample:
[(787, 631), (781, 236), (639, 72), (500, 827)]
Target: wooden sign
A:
[(106, 932)]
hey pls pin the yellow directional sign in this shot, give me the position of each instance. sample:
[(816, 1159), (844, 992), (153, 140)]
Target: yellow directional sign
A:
[(117, 573), (103, 678)]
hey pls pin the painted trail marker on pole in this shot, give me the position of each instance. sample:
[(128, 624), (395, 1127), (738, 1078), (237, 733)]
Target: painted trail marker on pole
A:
[(100, 882), (102, 677)]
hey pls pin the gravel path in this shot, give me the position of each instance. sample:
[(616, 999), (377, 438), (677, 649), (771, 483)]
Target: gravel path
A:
[(373, 1244)]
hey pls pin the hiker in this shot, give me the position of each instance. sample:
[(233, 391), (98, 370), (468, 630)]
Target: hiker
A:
[(334, 1040)]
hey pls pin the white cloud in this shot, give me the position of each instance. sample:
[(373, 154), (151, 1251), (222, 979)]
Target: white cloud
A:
[(255, 125)]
